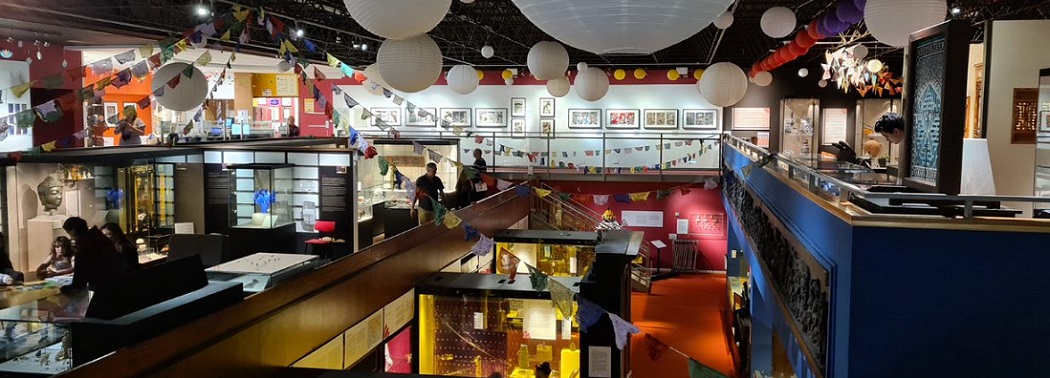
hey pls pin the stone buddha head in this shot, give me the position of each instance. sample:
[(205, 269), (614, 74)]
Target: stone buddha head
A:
[(50, 193)]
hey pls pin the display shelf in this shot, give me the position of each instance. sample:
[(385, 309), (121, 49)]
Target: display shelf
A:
[(261, 194), (555, 253), (798, 132)]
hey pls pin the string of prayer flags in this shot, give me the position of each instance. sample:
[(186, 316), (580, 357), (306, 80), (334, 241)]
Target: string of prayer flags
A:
[(469, 232), (435, 156), (542, 192), (417, 148), (522, 190), (318, 75), (588, 313), (452, 220), (502, 184), (332, 60), (54, 81), (410, 187), (509, 263), (654, 348), (398, 100), (439, 211), (483, 247), (204, 59), (21, 89), (601, 199), (623, 329), (125, 57), (639, 197), (561, 297), (698, 370), (384, 166), (622, 198), (50, 111), (538, 280)]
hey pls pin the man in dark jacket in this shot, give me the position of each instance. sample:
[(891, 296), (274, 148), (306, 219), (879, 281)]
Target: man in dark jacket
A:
[(98, 263)]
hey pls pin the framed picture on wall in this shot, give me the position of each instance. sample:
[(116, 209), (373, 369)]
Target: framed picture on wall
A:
[(112, 113), (388, 116), (1044, 121), (547, 128), (661, 119), (700, 119), (517, 107), (546, 106), (456, 116), (585, 118), (934, 107), (426, 117), (621, 118), (494, 117), (517, 127), (755, 119)]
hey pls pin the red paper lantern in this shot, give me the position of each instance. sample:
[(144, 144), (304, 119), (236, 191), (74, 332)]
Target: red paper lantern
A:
[(812, 31), (796, 50), (803, 39)]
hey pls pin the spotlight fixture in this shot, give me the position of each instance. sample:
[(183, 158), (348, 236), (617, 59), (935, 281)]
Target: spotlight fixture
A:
[(299, 33), (364, 47), (202, 10), (956, 9)]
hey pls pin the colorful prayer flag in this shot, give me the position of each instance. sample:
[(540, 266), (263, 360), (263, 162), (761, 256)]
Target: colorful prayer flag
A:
[(483, 247), (623, 330), (537, 278)]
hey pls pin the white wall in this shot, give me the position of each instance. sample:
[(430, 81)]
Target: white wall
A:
[(1016, 59), (13, 73), (567, 140)]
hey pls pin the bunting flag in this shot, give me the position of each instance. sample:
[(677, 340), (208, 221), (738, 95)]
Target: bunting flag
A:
[(417, 148), (125, 57), (640, 197), (102, 67), (410, 188), (25, 118), (435, 156), (588, 313), (49, 146), (349, 72), (146, 50), (439, 211), (49, 111), (122, 78), (469, 232), (398, 100), (175, 80), (384, 165), (623, 329), (601, 199), (204, 59), (332, 60), (140, 70), (54, 81), (698, 370), (483, 247), (452, 220), (542, 192), (538, 280), (509, 263), (522, 190), (318, 75), (561, 297), (21, 89), (654, 348), (622, 198)]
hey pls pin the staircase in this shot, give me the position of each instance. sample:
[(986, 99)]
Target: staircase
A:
[(554, 213)]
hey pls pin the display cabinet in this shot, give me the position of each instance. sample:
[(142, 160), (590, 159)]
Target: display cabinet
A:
[(555, 253), (36, 337), (799, 120), (868, 143), (261, 270), (1042, 151), (374, 188), (474, 325), (261, 212)]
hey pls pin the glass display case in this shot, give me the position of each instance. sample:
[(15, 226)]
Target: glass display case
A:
[(474, 325), (261, 270), (555, 253), (1042, 152), (36, 330), (798, 126), (262, 195), (867, 142), (376, 188)]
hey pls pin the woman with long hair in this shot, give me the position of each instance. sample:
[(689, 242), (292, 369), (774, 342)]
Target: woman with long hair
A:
[(129, 254), (60, 261)]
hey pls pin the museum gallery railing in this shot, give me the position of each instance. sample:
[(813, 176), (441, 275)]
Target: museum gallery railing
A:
[(837, 191)]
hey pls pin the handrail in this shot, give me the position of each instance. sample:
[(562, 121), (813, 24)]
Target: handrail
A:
[(845, 188)]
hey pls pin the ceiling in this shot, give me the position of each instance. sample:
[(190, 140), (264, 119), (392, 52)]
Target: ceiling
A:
[(468, 27)]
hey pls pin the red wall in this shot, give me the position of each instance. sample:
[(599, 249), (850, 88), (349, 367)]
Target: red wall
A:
[(50, 65), (713, 248), (306, 119)]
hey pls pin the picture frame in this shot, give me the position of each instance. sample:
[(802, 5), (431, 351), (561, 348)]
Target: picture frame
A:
[(389, 116), (547, 128), (517, 106), (751, 119), (1044, 121), (424, 117), (490, 117), (457, 116), (700, 119), (621, 118), (934, 108), (661, 119), (547, 107), (517, 127), (585, 118), (111, 111)]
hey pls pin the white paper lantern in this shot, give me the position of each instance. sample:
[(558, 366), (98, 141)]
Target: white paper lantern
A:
[(547, 60), (190, 92), (724, 21), (487, 51), (822, 83), (581, 66), (284, 66), (558, 87), (592, 84), (467, 1), (398, 19), (621, 26), (778, 22), (859, 52), (803, 72), (763, 78), (875, 65), (372, 73), (723, 84), (892, 21), (409, 65), (462, 79)]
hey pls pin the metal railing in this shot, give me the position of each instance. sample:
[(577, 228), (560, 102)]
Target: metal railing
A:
[(836, 190)]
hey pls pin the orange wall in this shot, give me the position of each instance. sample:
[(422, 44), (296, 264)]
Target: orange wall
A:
[(131, 93)]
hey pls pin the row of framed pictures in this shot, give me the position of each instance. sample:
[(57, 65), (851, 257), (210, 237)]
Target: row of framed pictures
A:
[(616, 119)]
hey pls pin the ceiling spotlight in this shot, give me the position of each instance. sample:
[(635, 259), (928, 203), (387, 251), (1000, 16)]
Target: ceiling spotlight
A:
[(202, 10), (956, 10), (299, 33), (364, 46)]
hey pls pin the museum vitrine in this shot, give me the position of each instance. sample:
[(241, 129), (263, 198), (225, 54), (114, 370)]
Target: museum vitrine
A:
[(1042, 152), (555, 253), (474, 325), (36, 337), (868, 143), (261, 194), (798, 132), (383, 191)]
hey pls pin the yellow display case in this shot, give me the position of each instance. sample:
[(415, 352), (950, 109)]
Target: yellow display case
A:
[(555, 253)]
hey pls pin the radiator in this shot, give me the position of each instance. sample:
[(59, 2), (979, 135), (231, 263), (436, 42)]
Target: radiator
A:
[(685, 255)]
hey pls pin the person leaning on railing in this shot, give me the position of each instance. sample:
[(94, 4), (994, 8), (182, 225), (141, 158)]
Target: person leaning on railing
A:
[(891, 126)]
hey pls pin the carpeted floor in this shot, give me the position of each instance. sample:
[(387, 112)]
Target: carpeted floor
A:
[(684, 312)]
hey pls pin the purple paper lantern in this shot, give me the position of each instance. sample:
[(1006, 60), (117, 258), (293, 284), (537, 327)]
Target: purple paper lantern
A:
[(834, 25), (859, 4), (847, 12), (822, 27)]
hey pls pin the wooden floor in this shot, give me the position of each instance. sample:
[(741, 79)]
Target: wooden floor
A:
[(684, 312)]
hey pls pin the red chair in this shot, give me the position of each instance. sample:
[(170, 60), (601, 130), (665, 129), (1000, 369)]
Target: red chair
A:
[(323, 244)]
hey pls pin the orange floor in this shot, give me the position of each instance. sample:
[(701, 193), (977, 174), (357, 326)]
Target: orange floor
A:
[(684, 312)]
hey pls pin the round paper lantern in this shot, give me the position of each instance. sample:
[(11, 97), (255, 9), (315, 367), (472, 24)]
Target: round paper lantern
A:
[(848, 12), (558, 87), (187, 95), (859, 52), (284, 66), (814, 31), (805, 40), (619, 74), (763, 78), (467, 1), (822, 83), (592, 84), (409, 65), (724, 84), (487, 51), (398, 19), (372, 73), (724, 21), (547, 60), (803, 72), (673, 75), (891, 21), (508, 81), (621, 26), (875, 66), (581, 66), (860, 4), (481, 75), (835, 25), (462, 79), (639, 73), (698, 74), (795, 49), (507, 74), (778, 22)]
